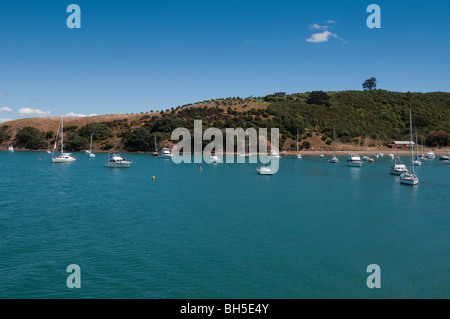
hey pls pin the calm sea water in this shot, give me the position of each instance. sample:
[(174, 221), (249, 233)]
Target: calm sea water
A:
[(309, 231)]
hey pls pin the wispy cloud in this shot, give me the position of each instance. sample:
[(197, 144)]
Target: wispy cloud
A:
[(331, 21), (315, 26), (321, 37), (5, 120), (5, 109), (2, 93), (27, 111), (71, 114)]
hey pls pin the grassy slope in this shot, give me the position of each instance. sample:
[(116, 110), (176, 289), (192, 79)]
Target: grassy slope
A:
[(361, 118)]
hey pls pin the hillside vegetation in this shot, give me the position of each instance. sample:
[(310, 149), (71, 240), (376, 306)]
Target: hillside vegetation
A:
[(360, 118)]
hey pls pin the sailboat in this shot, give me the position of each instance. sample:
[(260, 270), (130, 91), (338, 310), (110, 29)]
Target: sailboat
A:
[(422, 156), (63, 157), (417, 161), (298, 156), (10, 148), (334, 159), (90, 154), (48, 146), (365, 157), (410, 178), (155, 152)]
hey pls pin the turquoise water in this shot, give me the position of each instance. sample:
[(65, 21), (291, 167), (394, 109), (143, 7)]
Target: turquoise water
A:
[(309, 231)]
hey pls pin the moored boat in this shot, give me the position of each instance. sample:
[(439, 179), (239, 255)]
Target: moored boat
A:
[(264, 170), (117, 161), (398, 168), (409, 177), (63, 157), (165, 153), (354, 161)]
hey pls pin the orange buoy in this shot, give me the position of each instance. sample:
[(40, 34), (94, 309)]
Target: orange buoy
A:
[(153, 177)]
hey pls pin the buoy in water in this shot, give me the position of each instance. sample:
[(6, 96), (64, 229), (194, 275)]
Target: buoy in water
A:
[(201, 169), (153, 177)]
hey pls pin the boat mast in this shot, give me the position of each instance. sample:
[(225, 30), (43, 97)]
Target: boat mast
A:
[(297, 141), (411, 167), (90, 147), (334, 137), (417, 148), (56, 139), (62, 134)]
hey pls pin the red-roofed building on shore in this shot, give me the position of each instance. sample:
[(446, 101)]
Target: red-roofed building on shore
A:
[(402, 144)]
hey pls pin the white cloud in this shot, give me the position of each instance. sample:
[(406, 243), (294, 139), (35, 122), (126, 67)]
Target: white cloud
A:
[(93, 114), (331, 21), (321, 37), (5, 109), (315, 26), (5, 120), (71, 114), (27, 111)]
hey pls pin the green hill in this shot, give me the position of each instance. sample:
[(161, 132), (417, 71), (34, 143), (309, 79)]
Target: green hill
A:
[(375, 117)]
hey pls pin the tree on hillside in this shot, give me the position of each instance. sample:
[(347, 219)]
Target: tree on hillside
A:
[(99, 131), (75, 142), (435, 138), (139, 140), (30, 138), (4, 134), (318, 98), (370, 84)]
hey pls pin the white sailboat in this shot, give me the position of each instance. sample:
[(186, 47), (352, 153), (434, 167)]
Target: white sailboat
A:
[(264, 170), (10, 148), (417, 161), (165, 153), (298, 156), (410, 178), (274, 154), (334, 158), (214, 159), (63, 157), (155, 151), (48, 146), (90, 154)]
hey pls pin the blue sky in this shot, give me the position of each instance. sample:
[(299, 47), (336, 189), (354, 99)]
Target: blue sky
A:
[(133, 56)]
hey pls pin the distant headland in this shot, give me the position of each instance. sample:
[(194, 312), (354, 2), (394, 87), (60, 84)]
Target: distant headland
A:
[(366, 121)]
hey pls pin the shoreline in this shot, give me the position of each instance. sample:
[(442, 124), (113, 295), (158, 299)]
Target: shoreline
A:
[(282, 153)]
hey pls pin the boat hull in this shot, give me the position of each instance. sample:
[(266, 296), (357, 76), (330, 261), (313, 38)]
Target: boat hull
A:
[(63, 160), (409, 180), (354, 164), (394, 172), (118, 165), (333, 160), (264, 171)]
